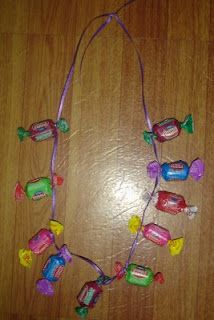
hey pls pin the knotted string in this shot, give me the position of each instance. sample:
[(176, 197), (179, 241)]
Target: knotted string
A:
[(66, 87)]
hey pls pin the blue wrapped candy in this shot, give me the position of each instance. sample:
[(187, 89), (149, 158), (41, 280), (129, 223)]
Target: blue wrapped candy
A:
[(178, 170), (53, 268)]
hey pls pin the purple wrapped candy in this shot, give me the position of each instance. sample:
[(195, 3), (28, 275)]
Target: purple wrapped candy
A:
[(45, 287), (178, 170)]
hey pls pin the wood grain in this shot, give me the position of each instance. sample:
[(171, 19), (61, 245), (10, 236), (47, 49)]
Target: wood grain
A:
[(103, 158)]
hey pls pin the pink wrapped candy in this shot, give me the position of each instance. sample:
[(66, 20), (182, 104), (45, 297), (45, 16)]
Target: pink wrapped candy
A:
[(156, 234), (162, 237), (41, 241)]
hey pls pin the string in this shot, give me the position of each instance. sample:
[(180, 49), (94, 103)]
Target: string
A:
[(124, 5), (62, 100), (144, 108), (92, 263), (60, 109), (146, 114)]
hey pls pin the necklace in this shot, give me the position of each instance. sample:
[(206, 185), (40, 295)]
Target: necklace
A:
[(164, 201)]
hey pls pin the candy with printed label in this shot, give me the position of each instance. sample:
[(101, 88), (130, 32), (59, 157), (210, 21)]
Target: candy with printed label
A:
[(37, 189), (41, 241), (88, 296), (142, 276), (168, 129), (178, 170), (162, 237), (43, 130), (173, 203), (53, 268), (157, 234)]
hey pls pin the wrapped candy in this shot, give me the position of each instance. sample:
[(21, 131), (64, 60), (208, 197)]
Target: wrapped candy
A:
[(142, 276), (53, 270), (162, 237), (55, 264), (157, 234), (173, 203), (42, 240), (88, 297), (178, 170), (43, 130), (37, 189), (168, 129)]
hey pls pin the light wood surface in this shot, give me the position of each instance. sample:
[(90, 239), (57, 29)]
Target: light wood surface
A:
[(103, 159)]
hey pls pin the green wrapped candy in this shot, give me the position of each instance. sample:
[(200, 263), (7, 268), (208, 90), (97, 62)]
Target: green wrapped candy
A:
[(139, 275), (38, 188)]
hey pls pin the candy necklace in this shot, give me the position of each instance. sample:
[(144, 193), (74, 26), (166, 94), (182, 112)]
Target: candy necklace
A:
[(164, 201)]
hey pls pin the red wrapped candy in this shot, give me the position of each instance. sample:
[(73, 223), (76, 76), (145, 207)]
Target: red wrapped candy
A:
[(173, 203), (169, 129), (43, 130), (87, 298)]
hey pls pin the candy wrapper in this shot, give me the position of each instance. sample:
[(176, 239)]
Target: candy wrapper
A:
[(157, 234), (53, 270), (173, 203), (37, 189), (88, 297), (169, 129), (42, 240), (142, 276), (178, 170), (43, 130)]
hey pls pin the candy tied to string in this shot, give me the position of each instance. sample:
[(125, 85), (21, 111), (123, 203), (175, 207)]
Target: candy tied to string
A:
[(168, 129), (157, 234), (41, 241), (43, 130), (173, 203), (38, 188), (178, 170), (53, 270), (142, 276)]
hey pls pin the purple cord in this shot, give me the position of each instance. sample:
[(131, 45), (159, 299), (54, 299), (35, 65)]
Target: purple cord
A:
[(61, 106), (146, 113), (60, 109)]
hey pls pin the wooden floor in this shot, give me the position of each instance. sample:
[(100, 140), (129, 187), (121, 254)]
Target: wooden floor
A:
[(103, 159)]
